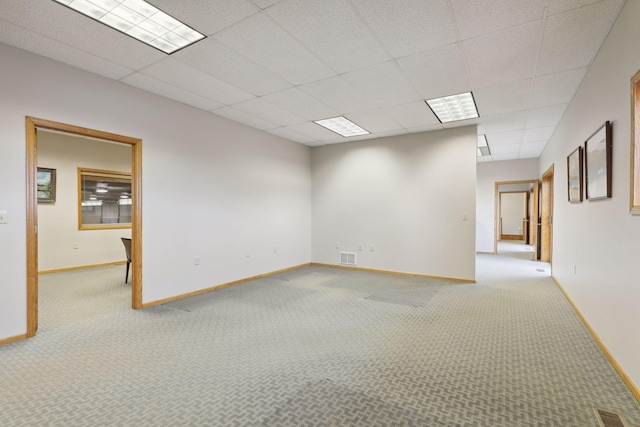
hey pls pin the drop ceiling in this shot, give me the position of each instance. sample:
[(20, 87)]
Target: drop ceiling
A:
[(279, 65)]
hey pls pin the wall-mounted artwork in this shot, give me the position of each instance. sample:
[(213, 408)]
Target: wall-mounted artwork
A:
[(574, 175), (597, 159), (46, 185)]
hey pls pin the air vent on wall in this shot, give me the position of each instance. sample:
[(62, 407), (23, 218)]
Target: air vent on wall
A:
[(348, 258), (609, 419)]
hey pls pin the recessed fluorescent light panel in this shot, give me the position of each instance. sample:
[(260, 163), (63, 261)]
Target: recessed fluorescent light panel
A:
[(455, 107), (140, 20), (483, 146), (342, 126)]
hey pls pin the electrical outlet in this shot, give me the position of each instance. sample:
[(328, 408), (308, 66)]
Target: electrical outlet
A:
[(247, 254), (4, 217), (196, 260), (75, 245), (372, 248), (359, 246), (275, 249), (337, 245), (465, 216)]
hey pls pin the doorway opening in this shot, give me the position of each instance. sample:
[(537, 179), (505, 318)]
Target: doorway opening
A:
[(520, 198), (546, 216), (32, 127)]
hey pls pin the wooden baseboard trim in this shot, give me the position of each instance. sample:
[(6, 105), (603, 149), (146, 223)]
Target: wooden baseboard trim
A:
[(623, 375), (221, 286), (396, 273), (13, 339), (82, 267), (485, 253), (511, 237)]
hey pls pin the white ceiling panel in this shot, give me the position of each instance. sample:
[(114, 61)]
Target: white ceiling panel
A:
[(17, 36), (503, 98), (530, 147), (314, 131), (408, 26), (529, 154), (338, 94), (332, 31), (571, 39), (208, 16), (504, 138), (244, 118), (260, 38), (263, 4), (269, 112), (437, 72), (556, 88), (480, 17), (301, 103), (502, 122), (538, 134), (558, 6), (212, 57), (413, 115), (547, 116), (384, 84), (167, 90), (179, 74), (497, 150), (376, 121), (291, 135), (503, 56)]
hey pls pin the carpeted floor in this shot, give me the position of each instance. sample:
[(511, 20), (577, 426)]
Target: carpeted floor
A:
[(313, 347)]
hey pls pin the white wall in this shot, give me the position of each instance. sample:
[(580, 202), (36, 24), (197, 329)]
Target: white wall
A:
[(488, 174), (234, 188), (58, 223), (601, 238), (511, 212), (405, 195)]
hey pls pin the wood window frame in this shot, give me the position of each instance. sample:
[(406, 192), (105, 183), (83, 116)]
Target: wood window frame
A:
[(109, 176)]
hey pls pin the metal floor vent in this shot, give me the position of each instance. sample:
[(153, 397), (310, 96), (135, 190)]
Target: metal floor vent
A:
[(348, 258), (540, 270), (609, 419)]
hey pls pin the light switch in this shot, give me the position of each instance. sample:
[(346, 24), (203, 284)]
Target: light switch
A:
[(465, 216), (4, 217)]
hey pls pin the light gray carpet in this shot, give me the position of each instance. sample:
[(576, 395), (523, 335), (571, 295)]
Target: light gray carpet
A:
[(313, 347)]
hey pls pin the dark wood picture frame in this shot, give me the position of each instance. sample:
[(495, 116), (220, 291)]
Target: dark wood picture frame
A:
[(574, 176), (597, 163), (46, 183)]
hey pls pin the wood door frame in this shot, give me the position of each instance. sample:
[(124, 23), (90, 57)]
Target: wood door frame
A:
[(496, 207), (32, 124), (546, 202)]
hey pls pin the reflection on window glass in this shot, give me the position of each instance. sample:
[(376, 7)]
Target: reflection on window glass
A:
[(105, 199)]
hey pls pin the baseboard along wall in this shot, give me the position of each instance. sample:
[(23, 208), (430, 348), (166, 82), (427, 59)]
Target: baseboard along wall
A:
[(82, 267)]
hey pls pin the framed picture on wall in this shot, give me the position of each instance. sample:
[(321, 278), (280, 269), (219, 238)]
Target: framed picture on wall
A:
[(46, 185), (574, 175), (597, 159)]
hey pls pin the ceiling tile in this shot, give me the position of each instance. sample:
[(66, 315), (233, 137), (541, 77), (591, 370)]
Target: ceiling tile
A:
[(269, 112), (478, 17), (557, 88), (529, 147), (504, 138), (376, 121), (502, 122), (571, 39), (437, 72), (497, 150), (529, 154), (181, 75), (408, 26), (263, 4), (244, 118), (503, 98), (558, 6), (503, 56), (314, 131), (58, 22), (259, 38), (502, 157), (291, 135), (301, 103), (412, 115), (150, 84), (17, 36), (332, 31), (384, 84), (547, 116), (538, 134), (338, 94), (212, 57), (208, 16)]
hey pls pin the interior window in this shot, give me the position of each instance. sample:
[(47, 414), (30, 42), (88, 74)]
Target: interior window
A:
[(104, 199)]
